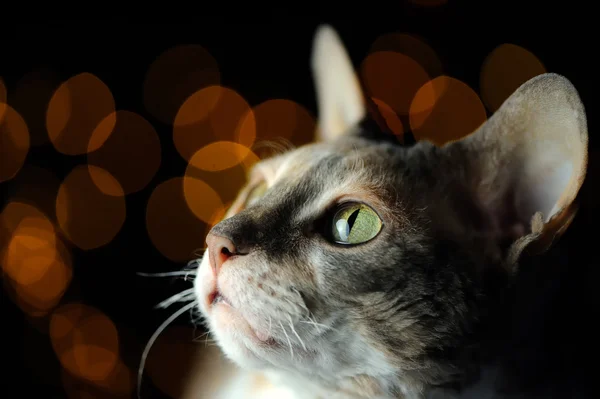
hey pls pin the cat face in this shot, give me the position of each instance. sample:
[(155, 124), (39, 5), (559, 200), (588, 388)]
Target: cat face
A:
[(361, 264)]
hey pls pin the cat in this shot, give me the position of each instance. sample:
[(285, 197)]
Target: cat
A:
[(355, 267)]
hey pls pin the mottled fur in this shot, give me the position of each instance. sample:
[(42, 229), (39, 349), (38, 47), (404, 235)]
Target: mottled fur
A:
[(415, 307)]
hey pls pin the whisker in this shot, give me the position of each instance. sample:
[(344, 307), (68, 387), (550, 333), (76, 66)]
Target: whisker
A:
[(153, 338), (296, 334), (288, 340), (314, 323), (182, 296), (167, 274), (197, 339)]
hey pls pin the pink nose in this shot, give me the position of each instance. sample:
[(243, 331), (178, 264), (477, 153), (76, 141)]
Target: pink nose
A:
[(219, 250)]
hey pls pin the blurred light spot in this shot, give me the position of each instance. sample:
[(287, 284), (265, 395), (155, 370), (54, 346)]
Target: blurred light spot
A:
[(85, 341), (202, 200), (175, 347), (31, 98), (429, 3), (222, 155), (14, 142), (174, 76), (226, 117), (192, 129), (455, 113), (504, 70), (40, 297), (34, 258), (173, 228), (213, 113), (413, 47), (227, 183), (391, 119), (15, 212), (280, 118), (118, 384), (74, 112), (131, 154), (90, 207), (31, 251), (38, 187), (393, 78)]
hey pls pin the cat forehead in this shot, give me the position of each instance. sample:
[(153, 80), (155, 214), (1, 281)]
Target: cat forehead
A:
[(347, 158), (318, 175)]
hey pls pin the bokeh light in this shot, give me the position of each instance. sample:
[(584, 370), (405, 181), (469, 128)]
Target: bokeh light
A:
[(279, 118), (31, 250), (174, 76), (90, 209), (87, 344), (74, 112), (222, 155), (213, 113), (131, 153), (31, 98), (202, 200), (14, 142), (504, 70), (393, 78), (413, 47), (118, 384), (445, 109), (34, 258), (392, 120), (172, 227)]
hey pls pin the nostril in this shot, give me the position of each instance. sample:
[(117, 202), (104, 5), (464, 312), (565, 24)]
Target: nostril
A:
[(225, 251)]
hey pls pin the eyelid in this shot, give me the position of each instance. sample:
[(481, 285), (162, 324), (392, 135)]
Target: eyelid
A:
[(348, 200)]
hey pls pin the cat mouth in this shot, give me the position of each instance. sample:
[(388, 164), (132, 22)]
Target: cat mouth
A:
[(216, 297), (235, 317)]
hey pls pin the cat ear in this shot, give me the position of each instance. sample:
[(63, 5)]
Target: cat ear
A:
[(529, 157), (340, 100)]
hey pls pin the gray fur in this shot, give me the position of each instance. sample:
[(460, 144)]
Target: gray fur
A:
[(409, 310)]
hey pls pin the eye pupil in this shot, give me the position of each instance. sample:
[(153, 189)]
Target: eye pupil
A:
[(352, 218), (355, 223)]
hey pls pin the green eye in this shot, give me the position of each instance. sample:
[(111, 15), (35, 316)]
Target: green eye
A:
[(256, 193), (355, 224)]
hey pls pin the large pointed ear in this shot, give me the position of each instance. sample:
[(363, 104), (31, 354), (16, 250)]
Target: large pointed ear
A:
[(529, 158), (340, 100)]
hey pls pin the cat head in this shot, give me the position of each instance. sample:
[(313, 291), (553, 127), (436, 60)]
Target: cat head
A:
[(359, 263)]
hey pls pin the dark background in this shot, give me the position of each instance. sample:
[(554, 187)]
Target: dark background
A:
[(260, 59)]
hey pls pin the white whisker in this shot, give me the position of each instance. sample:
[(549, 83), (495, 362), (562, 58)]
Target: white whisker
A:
[(183, 296), (153, 338), (317, 325), (296, 334), (288, 340), (168, 274), (314, 322)]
